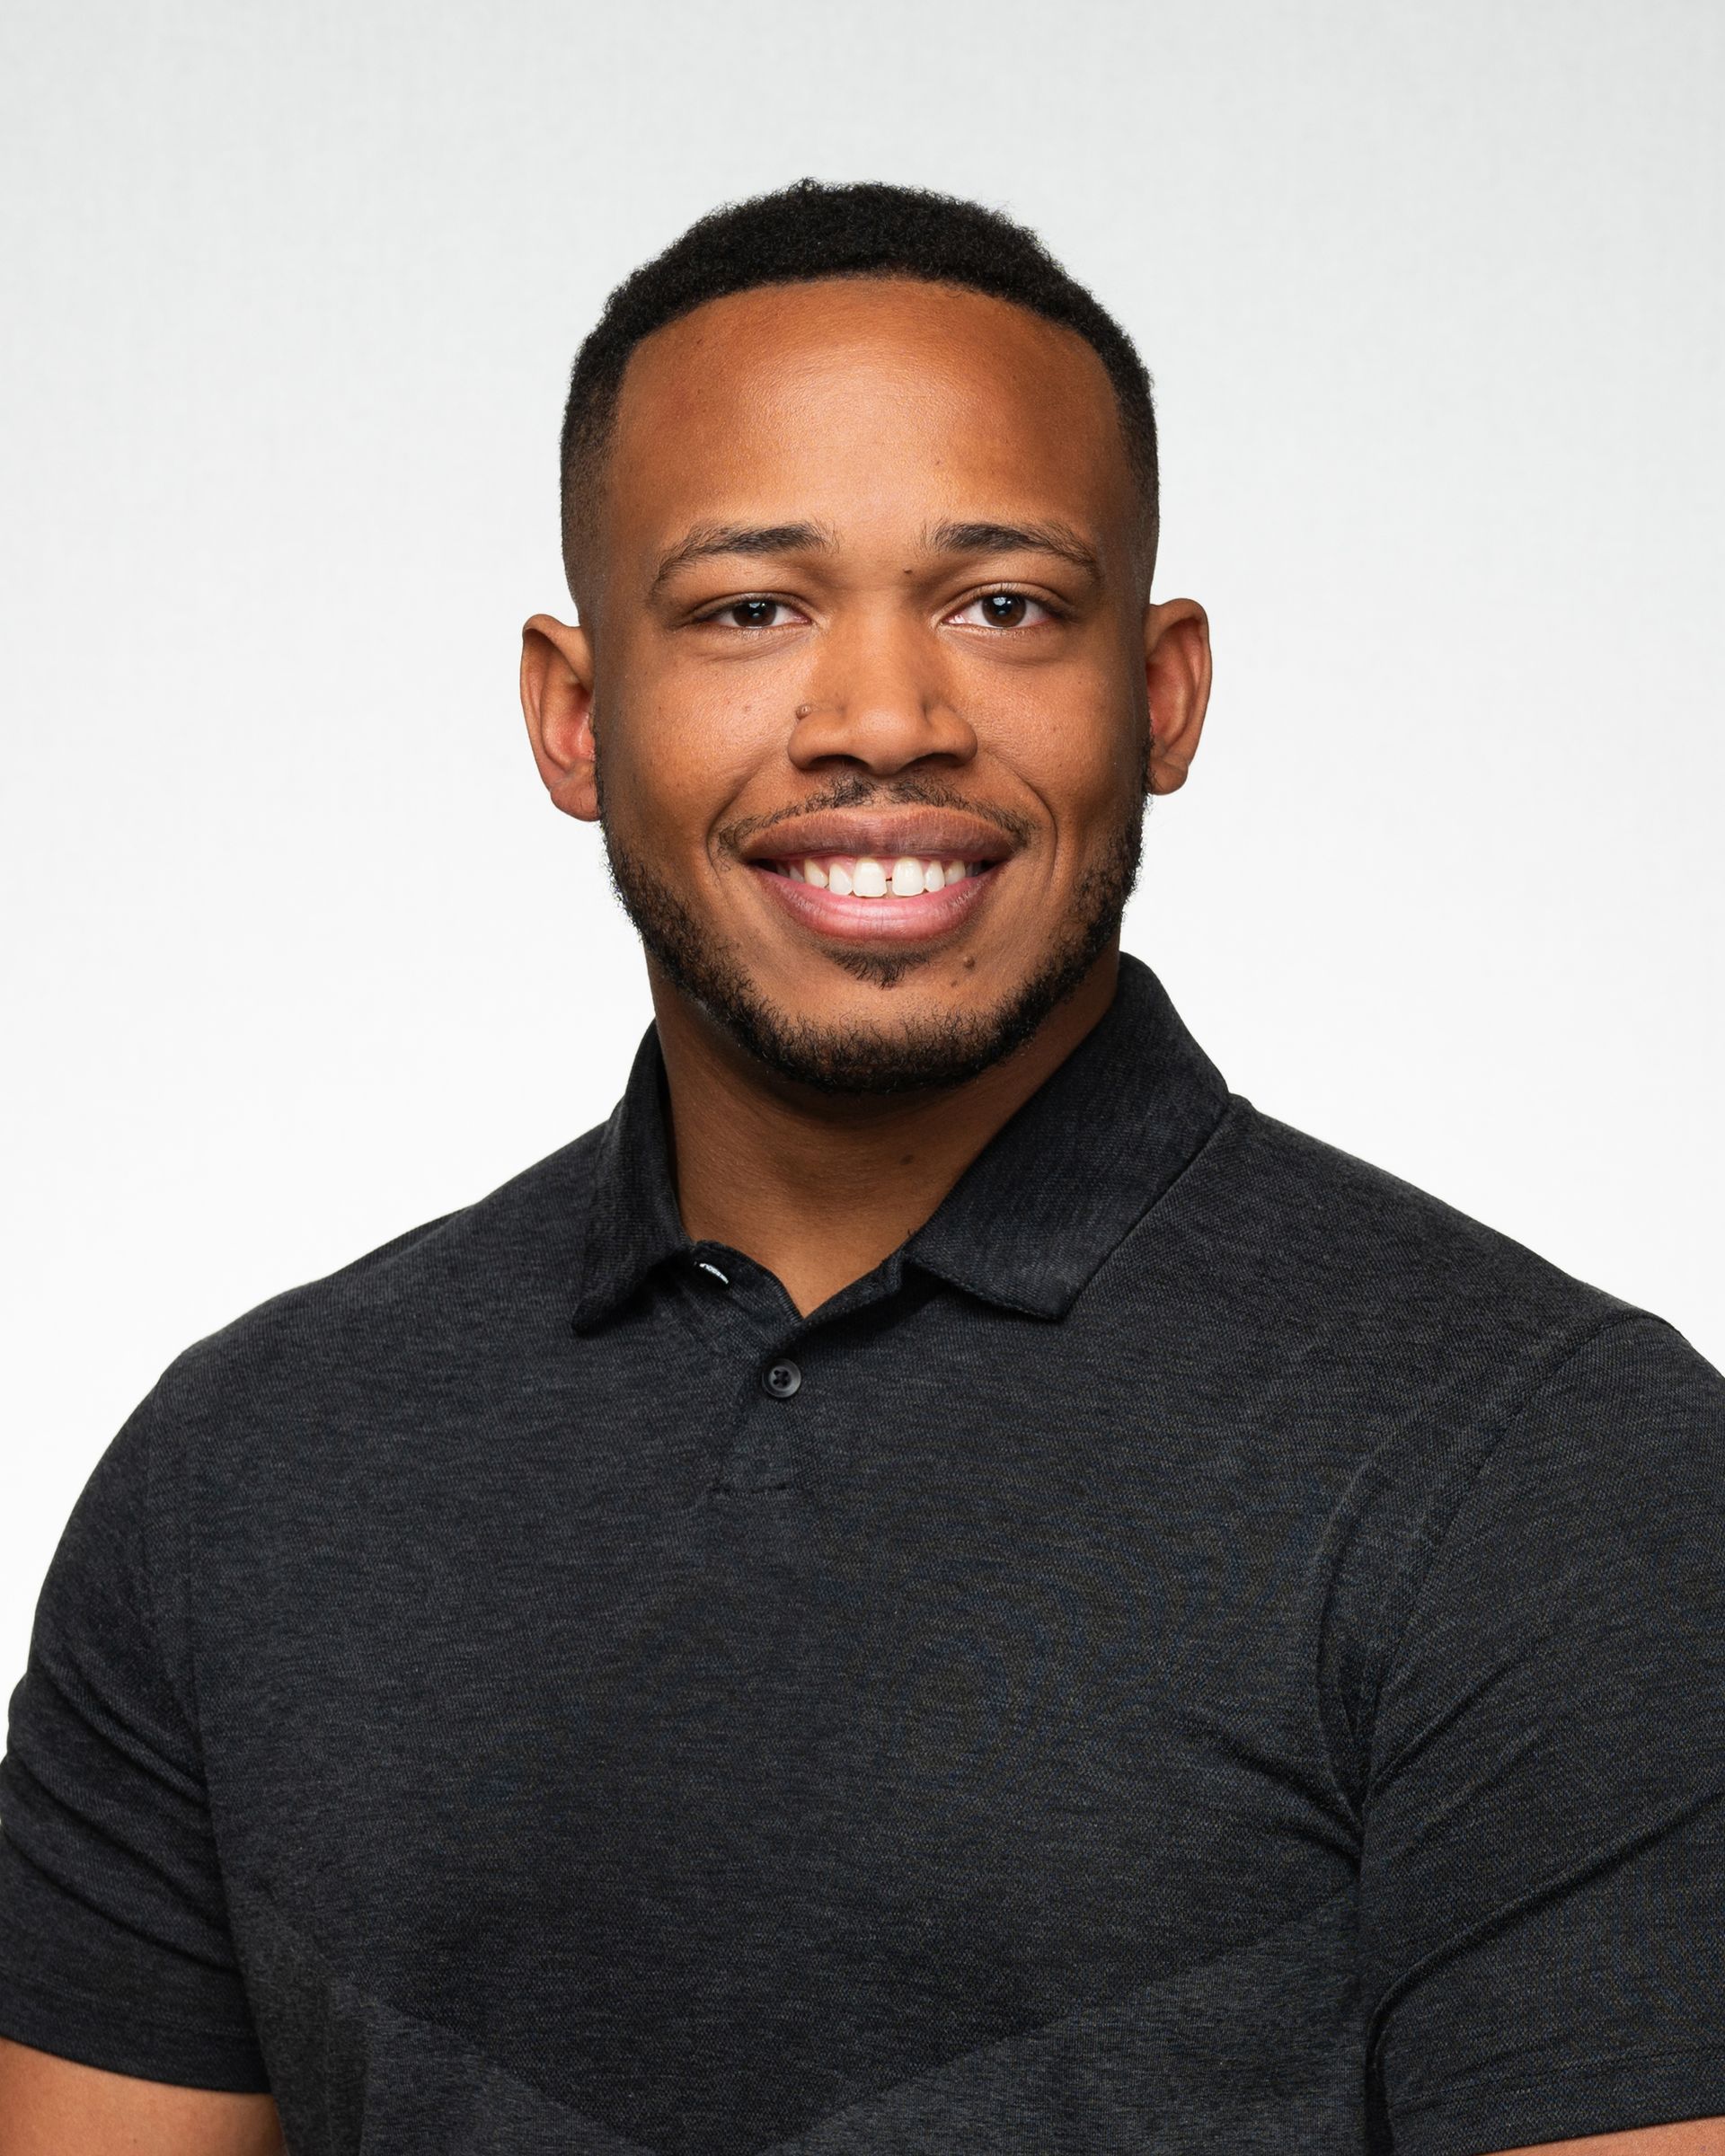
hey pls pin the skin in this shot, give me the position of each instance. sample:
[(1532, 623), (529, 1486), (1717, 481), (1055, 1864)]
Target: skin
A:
[(49, 2106), (875, 413)]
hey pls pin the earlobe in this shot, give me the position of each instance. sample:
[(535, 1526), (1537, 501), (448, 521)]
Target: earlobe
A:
[(557, 703), (1177, 674)]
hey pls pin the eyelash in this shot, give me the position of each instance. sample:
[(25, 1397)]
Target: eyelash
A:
[(1000, 591), (1006, 591)]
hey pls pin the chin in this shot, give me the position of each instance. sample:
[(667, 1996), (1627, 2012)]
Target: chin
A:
[(903, 1028)]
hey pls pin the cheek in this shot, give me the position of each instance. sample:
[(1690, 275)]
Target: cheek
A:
[(1079, 746), (1106, 752), (675, 761)]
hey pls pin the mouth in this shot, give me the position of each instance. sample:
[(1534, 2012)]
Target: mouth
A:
[(908, 876)]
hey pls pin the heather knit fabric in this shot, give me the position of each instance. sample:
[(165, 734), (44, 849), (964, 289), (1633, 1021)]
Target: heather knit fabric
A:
[(1205, 1648)]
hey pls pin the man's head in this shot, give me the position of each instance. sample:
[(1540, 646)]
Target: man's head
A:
[(860, 509), (808, 233)]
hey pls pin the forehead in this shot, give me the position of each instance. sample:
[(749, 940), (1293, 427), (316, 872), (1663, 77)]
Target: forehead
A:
[(861, 401)]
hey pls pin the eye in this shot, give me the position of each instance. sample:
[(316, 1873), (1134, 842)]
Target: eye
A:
[(753, 614), (1004, 610)]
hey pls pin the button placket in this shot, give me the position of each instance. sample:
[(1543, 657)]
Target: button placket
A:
[(742, 1315), (770, 1430)]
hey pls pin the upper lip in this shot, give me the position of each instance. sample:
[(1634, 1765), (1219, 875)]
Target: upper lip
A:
[(884, 835)]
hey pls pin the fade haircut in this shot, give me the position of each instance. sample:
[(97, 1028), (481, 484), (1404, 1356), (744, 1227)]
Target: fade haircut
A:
[(809, 231)]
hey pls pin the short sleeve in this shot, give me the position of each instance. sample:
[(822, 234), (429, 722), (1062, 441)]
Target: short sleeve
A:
[(1543, 1879), (114, 1941)]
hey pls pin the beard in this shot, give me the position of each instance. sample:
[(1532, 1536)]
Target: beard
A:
[(937, 1050)]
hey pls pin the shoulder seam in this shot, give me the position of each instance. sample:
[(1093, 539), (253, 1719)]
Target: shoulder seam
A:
[(1434, 1542), (1233, 1109), (152, 1588)]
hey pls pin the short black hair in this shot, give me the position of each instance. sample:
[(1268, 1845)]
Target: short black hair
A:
[(812, 230)]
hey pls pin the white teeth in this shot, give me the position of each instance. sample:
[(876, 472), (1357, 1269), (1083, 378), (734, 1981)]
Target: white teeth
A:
[(868, 877)]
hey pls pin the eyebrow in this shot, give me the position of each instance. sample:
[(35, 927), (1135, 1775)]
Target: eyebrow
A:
[(704, 540), (1058, 539)]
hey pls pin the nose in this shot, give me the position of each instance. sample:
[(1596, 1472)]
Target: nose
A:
[(878, 699)]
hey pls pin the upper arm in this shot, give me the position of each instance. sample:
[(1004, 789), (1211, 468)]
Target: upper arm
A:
[(49, 2105), (1542, 1870), (1694, 2137), (116, 1946)]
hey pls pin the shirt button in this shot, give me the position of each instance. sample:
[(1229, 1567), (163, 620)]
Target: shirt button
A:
[(781, 1379)]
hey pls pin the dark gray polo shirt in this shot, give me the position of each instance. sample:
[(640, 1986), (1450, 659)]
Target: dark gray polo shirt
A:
[(1204, 1650)]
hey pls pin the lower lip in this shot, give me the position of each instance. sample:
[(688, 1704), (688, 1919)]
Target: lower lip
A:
[(878, 919)]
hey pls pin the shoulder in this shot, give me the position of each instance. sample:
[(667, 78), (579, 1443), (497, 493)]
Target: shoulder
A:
[(442, 1297), (1472, 1371), (1392, 1343), (1336, 1244), (1488, 1441)]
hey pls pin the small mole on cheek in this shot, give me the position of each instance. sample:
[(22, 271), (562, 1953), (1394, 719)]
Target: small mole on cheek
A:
[(904, 1159), (969, 962)]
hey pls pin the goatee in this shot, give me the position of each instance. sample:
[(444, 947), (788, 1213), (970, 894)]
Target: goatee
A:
[(942, 1049)]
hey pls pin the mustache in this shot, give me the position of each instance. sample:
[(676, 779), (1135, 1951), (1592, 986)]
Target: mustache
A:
[(856, 790)]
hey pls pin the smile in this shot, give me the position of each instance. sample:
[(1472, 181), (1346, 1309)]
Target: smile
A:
[(909, 873), (861, 896)]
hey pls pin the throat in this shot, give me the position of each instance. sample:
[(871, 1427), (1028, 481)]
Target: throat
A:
[(819, 1187), (818, 1202)]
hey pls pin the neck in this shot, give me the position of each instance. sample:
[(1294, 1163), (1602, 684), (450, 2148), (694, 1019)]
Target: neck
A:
[(819, 1188)]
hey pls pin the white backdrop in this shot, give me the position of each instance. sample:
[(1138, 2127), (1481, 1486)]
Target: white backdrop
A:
[(297, 952)]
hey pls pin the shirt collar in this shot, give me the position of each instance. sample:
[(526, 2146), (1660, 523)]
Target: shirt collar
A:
[(1076, 1169), (633, 1223), (1032, 1217)]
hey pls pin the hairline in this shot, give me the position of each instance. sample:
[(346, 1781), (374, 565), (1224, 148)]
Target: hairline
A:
[(594, 454)]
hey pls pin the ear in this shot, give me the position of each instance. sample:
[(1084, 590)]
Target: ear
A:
[(1177, 672), (557, 701)]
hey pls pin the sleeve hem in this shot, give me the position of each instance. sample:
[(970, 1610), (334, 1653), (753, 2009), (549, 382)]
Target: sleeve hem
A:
[(1567, 2103), (122, 2041)]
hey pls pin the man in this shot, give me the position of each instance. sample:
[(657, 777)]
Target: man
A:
[(941, 1582)]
